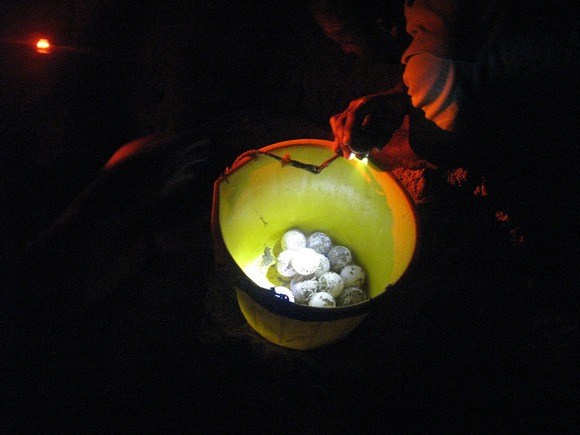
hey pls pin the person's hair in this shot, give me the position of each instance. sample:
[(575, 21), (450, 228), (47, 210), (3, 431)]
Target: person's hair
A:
[(357, 14)]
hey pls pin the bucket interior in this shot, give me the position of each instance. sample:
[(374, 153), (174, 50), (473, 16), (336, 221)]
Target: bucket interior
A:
[(357, 205)]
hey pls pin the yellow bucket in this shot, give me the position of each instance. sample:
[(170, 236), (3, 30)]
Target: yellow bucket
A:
[(298, 184)]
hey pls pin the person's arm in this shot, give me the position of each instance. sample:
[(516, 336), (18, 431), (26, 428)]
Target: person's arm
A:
[(431, 92), (368, 122)]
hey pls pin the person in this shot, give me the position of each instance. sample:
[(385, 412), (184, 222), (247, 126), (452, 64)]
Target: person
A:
[(487, 86), (489, 101), (367, 29), (341, 51)]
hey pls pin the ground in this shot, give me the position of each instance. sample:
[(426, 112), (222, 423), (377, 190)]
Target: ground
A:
[(144, 335)]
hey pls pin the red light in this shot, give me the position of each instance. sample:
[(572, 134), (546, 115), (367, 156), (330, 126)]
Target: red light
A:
[(42, 45)]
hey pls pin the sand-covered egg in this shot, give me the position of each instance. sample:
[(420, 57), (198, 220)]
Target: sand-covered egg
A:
[(323, 267), (351, 296), (293, 239), (305, 261), (322, 300), (331, 283), (303, 288), (319, 241), (353, 276), (339, 257), (284, 292), (311, 268), (284, 263)]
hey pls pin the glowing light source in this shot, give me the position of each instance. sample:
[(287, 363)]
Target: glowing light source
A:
[(364, 160), (42, 45)]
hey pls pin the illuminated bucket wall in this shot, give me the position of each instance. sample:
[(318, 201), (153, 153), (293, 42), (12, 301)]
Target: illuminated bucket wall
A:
[(261, 197)]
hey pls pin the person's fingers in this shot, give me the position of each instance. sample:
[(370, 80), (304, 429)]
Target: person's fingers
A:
[(345, 150), (341, 148), (336, 132), (335, 123), (334, 126), (337, 126), (354, 118), (342, 124), (351, 120), (349, 125)]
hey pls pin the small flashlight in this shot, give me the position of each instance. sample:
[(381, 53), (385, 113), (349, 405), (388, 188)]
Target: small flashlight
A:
[(369, 136), (359, 152), (358, 155)]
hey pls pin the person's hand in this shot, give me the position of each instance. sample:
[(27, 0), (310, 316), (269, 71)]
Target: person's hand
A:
[(343, 123), (368, 122)]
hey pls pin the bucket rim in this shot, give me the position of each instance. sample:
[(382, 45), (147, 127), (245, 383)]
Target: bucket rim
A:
[(265, 297)]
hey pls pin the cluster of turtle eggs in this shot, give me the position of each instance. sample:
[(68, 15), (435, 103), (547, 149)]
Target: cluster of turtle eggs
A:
[(318, 273)]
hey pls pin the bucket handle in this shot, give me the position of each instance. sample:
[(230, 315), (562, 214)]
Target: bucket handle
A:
[(286, 160)]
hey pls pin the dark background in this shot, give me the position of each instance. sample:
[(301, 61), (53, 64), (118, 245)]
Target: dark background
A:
[(122, 70), (440, 355)]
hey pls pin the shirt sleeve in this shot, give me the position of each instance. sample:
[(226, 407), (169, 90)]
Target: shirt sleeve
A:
[(434, 87), (431, 75)]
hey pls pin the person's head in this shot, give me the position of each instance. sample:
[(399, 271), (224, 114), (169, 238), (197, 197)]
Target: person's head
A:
[(369, 29)]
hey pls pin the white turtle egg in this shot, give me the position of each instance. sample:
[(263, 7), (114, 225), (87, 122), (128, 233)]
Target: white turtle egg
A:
[(284, 291), (284, 263), (305, 261), (353, 276), (351, 296), (319, 241), (322, 300), (331, 283), (293, 240), (339, 257), (323, 267), (303, 288)]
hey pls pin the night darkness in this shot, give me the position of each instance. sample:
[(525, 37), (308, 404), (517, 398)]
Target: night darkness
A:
[(121, 71), (114, 319)]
